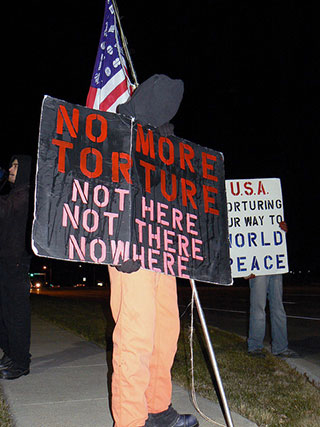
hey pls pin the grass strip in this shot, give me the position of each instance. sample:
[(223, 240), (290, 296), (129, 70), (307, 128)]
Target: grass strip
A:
[(5, 417), (267, 391)]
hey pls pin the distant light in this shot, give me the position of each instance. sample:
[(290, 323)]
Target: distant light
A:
[(99, 284)]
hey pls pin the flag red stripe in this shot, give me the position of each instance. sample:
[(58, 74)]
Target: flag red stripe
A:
[(91, 97), (113, 96)]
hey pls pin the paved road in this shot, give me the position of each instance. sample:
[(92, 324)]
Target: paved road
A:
[(227, 308)]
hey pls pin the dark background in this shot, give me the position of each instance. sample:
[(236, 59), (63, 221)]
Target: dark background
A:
[(251, 75)]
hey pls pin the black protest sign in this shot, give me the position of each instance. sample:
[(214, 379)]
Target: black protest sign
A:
[(108, 190)]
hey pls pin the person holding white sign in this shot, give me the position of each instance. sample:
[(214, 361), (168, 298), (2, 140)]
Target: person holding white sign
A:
[(263, 288)]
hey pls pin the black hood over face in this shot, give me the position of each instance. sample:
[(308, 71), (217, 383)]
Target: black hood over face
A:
[(155, 102), (23, 176)]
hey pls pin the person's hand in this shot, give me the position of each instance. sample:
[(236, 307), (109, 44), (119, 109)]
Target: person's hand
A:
[(283, 226), (251, 276), (129, 266)]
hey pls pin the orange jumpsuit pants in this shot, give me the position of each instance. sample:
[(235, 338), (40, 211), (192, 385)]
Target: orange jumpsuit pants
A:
[(145, 309)]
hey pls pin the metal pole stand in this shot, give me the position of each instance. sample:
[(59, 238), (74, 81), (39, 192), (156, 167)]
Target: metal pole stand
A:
[(224, 407)]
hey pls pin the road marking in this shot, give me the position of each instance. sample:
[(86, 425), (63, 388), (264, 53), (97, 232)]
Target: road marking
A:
[(304, 317), (227, 311), (245, 312), (304, 295), (218, 309)]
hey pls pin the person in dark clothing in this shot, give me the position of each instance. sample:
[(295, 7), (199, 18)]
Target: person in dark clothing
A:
[(15, 257), (144, 303)]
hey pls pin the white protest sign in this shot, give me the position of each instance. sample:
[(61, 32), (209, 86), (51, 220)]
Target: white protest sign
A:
[(257, 243)]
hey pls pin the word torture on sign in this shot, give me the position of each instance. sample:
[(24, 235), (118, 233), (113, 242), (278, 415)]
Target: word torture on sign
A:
[(109, 190)]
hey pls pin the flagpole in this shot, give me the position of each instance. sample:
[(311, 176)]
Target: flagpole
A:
[(226, 411), (124, 43)]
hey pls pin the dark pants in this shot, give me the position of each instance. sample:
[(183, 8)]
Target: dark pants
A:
[(15, 320)]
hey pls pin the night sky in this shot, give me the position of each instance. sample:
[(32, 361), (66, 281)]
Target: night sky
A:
[(251, 74)]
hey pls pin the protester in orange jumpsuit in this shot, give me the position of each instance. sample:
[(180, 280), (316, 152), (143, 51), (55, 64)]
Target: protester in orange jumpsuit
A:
[(144, 303)]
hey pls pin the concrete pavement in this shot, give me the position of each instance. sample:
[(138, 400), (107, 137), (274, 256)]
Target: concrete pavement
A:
[(67, 385)]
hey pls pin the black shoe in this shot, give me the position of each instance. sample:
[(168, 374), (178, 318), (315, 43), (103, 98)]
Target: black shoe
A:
[(13, 372), (257, 353), (288, 354), (171, 418), (186, 420), (5, 362)]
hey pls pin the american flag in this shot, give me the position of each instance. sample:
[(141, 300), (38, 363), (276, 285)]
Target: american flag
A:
[(110, 83)]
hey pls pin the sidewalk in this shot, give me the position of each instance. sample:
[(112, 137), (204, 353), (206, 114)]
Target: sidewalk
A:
[(67, 385)]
